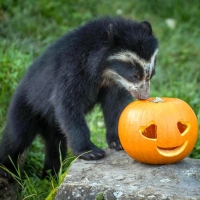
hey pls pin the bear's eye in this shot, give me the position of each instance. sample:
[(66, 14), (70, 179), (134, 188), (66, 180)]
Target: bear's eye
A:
[(135, 76)]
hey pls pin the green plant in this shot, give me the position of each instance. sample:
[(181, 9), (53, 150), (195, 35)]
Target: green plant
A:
[(32, 187)]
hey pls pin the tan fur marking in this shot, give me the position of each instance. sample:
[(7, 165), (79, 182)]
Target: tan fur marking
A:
[(128, 56), (112, 76), (139, 90)]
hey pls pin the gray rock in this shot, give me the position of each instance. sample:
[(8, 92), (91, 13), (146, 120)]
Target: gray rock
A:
[(119, 177)]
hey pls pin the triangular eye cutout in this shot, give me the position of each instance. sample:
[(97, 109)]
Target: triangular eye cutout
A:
[(149, 131), (182, 127)]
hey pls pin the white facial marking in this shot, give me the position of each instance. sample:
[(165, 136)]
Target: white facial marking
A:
[(121, 81), (128, 56), (149, 66), (139, 90)]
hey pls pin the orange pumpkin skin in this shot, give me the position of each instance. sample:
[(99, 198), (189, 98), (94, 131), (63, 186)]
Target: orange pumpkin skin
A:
[(158, 133)]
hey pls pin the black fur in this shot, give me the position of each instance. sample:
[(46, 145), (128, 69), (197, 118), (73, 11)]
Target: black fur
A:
[(65, 83)]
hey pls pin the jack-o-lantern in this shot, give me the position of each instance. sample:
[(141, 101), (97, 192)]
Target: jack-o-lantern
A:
[(159, 131)]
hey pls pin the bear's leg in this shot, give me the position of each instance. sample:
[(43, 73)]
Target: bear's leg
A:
[(18, 134), (113, 100), (56, 148), (78, 136), (70, 107), (73, 125)]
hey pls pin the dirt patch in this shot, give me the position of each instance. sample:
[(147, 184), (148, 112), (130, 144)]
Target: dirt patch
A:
[(8, 191)]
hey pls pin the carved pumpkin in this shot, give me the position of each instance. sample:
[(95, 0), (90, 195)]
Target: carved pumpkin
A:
[(158, 131)]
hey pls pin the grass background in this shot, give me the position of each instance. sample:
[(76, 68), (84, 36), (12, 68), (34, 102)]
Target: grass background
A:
[(28, 27)]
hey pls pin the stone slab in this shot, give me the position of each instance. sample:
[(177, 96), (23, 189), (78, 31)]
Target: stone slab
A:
[(119, 177)]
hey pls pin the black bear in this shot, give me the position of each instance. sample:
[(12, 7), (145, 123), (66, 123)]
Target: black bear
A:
[(107, 61)]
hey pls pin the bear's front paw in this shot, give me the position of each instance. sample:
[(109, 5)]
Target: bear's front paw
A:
[(93, 155), (91, 152), (115, 144)]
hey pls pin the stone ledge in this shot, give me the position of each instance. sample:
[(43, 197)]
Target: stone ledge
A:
[(119, 177)]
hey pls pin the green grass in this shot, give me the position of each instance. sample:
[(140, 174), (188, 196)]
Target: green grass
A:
[(28, 27)]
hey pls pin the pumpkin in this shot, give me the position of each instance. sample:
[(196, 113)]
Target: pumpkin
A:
[(158, 131)]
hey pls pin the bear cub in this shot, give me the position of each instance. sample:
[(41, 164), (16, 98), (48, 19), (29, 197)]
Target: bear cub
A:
[(107, 61)]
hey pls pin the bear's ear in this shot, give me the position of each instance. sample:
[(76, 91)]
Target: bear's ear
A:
[(146, 25), (111, 34)]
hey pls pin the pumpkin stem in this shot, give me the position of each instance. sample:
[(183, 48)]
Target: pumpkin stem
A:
[(157, 100)]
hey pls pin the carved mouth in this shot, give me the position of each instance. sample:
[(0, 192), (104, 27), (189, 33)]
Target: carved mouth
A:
[(172, 151)]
